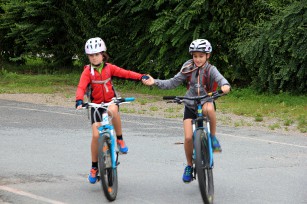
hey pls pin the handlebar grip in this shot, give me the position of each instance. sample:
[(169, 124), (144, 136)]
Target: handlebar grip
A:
[(85, 105), (220, 92), (129, 99), (168, 97)]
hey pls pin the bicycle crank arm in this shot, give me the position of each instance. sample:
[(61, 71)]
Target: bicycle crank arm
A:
[(117, 162)]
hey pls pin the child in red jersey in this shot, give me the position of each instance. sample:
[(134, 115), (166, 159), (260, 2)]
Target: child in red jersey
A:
[(99, 76)]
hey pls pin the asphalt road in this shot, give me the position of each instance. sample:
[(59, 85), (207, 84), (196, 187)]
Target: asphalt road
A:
[(45, 158)]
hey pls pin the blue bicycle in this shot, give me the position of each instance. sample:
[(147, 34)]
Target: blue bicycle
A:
[(203, 151), (107, 148)]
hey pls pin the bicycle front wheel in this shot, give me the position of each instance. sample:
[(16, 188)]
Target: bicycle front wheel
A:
[(203, 170), (108, 175)]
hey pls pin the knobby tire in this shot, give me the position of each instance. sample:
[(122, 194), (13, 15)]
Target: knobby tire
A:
[(203, 170), (108, 175)]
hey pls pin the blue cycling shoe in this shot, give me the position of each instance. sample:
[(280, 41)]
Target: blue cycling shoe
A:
[(122, 147), (187, 176), (216, 145), (93, 176)]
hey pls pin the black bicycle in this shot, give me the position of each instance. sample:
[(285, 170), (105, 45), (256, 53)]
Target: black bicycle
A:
[(203, 151)]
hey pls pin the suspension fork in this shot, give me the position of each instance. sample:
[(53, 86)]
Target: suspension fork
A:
[(201, 124), (110, 130), (113, 147), (209, 142)]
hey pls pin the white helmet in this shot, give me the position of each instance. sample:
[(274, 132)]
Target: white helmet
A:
[(95, 45), (200, 45)]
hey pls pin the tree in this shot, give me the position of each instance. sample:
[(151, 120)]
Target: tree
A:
[(275, 51), (47, 29), (155, 35), (11, 47)]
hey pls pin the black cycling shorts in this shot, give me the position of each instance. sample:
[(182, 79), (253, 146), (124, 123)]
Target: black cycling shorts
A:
[(98, 114), (189, 113)]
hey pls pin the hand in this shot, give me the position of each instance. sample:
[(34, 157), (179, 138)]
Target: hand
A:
[(150, 81), (79, 107), (225, 89), (79, 104)]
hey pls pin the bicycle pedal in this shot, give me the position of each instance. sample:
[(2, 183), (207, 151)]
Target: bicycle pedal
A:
[(194, 173), (122, 153), (98, 178)]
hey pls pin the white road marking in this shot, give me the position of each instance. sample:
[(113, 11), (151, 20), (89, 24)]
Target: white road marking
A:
[(263, 140), (249, 138), (32, 109), (29, 195)]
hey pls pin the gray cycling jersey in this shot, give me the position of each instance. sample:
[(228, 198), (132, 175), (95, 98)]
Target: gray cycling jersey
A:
[(196, 76)]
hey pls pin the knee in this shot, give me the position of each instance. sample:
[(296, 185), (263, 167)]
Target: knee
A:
[(95, 133), (95, 136), (209, 109), (113, 109), (188, 140)]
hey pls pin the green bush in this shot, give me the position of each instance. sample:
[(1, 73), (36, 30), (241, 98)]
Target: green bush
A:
[(275, 51)]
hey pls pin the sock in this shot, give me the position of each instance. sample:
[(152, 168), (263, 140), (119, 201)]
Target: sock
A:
[(119, 137), (95, 165)]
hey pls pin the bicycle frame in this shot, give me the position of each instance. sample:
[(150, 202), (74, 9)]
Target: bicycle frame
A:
[(203, 156), (198, 123), (107, 150), (106, 127)]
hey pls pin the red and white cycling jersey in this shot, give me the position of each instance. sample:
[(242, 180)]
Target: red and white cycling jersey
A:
[(101, 83)]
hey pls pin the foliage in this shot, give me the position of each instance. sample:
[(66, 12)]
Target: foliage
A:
[(10, 47), (48, 29), (275, 52), (161, 31), (261, 41)]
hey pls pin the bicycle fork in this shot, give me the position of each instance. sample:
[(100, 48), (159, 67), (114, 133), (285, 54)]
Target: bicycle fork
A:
[(200, 124), (114, 154), (209, 144)]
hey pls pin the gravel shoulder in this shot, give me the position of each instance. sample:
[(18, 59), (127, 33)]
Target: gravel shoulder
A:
[(159, 109)]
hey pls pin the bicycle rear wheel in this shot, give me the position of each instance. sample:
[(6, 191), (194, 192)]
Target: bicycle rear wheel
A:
[(108, 175), (203, 170)]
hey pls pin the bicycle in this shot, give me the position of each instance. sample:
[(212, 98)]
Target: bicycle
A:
[(203, 151), (107, 148)]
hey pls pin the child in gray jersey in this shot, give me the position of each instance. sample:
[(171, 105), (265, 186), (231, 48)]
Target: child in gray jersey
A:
[(202, 78)]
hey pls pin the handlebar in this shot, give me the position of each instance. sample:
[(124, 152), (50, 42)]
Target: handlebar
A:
[(116, 101), (178, 99)]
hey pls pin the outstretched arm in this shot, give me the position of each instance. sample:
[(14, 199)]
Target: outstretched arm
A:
[(171, 83)]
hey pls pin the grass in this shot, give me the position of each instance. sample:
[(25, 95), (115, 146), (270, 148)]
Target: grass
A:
[(287, 108), (258, 118), (40, 83)]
